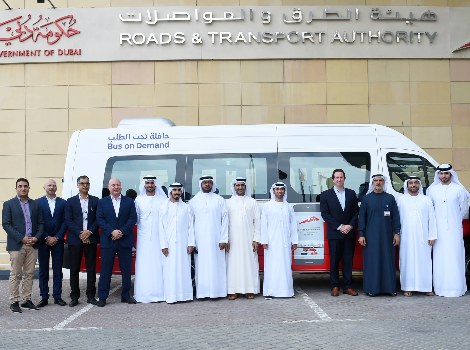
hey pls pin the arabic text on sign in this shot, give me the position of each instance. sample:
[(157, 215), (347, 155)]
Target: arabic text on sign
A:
[(52, 30)]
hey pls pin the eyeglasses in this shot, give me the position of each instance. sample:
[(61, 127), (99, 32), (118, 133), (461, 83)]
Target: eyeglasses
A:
[(84, 183)]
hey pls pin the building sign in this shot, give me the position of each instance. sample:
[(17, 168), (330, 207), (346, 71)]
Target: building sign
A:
[(133, 140), (225, 32)]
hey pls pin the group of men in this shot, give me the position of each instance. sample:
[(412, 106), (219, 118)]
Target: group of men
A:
[(223, 234), (224, 237), (36, 230), (431, 250)]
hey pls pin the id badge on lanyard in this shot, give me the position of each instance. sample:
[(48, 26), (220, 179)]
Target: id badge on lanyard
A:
[(386, 211)]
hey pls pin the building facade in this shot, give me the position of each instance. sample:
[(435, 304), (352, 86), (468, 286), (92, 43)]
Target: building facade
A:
[(42, 103)]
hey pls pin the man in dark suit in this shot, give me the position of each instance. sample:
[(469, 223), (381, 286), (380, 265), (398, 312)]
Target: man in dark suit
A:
[(52, 209), (339, 209), (82, 238), (22, 221), (116, 216)]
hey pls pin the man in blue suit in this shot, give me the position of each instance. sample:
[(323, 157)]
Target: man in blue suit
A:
[(22, 221), (339, 208), (52, 209), (82, 238), (116, 216)]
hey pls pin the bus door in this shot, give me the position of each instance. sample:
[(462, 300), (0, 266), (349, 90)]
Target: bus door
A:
[(306, 175)]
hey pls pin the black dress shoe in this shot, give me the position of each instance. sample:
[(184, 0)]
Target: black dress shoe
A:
[(370, 294), (59, 301), (28, 304), (15, 307), (73, 302), (129, 300), (101, 303), (92, 301), (43, 303)]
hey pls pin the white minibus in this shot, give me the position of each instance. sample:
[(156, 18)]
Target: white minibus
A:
[(301, 155)]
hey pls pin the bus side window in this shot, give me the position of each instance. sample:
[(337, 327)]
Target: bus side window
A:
[(403, 165), (309, 173), (257, 168), (131, 169)]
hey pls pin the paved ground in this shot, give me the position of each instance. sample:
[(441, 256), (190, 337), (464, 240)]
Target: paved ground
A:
[(312, 320)]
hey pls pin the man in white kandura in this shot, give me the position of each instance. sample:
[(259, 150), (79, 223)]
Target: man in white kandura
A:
[(243, 237), (211, 237), (450, 199), (418, 233), (279, 238), (176, 231), (148, 286)]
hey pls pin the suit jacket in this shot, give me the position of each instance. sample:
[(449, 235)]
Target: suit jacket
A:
[(74, 219), (335, 216), (54, 225), (108, 221), (15, 226)]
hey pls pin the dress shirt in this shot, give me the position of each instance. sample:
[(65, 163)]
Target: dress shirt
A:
[(27, 217), (51, 202), (84, 205), (116, 204), (342, 200), (341, 196)]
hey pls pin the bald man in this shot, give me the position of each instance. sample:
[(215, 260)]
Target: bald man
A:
[(116, 216), (53, 209)]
